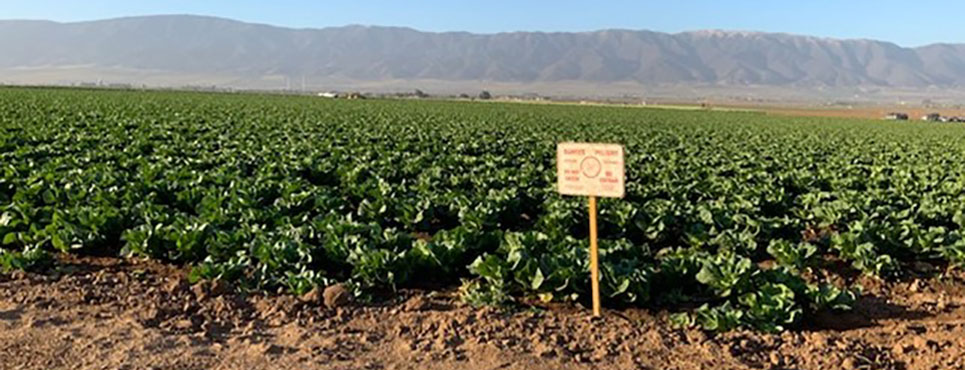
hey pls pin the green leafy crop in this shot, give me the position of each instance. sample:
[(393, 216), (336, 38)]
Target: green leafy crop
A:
[(725, 212)]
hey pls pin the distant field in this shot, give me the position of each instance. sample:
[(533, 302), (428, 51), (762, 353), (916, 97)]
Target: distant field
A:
[(914, 113), (726, 213), (877, 112), (669, 106)]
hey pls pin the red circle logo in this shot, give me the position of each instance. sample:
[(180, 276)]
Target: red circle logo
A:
[(591, 167)]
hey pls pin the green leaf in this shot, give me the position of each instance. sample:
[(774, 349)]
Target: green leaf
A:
[(622, 288), (58, 243), (49, 197), (537, 280)]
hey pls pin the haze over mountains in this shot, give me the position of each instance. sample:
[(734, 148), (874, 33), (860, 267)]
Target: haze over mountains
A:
[(236, 52)]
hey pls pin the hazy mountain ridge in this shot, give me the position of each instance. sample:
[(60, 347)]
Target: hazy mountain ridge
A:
[(199, 45)]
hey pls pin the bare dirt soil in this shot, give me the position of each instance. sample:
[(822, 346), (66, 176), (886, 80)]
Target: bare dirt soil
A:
[(914, 113), (101, 313)]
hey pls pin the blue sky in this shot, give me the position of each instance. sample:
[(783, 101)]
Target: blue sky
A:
[(907, 23)]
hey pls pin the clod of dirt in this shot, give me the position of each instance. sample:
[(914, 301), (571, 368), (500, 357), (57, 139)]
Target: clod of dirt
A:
[(776, 359), (819, 338), (219, 288), (849, 363), (175, 285), (544, 350), (916, 286), (901, 349), (916, 328), (265, 348), (313, 297), (920, 343), (149, 314), (200, 291), (417, 303), (18, 275), (209, 289), (183, 324), (336, 296)]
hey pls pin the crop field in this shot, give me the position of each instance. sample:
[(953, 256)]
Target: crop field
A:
[(731, 219)]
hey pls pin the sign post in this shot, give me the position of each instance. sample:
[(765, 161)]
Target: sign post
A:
[(594, 259), (592, 170)]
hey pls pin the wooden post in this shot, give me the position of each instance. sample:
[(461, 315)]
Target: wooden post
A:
[(594, 259)]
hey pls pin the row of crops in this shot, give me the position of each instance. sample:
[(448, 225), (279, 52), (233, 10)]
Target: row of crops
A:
[(725, 213)]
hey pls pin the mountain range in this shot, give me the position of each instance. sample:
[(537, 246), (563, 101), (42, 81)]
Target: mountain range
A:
[(200, 46)]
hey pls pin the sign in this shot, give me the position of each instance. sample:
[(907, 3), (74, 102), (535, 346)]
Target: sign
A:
[(593, 170), (590, 169)]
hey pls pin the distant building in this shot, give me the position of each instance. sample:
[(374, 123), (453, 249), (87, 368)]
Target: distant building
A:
[(897, 116), (330, 95)]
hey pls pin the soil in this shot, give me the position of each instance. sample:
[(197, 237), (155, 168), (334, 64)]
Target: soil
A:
[(103, 313), (914, 113)]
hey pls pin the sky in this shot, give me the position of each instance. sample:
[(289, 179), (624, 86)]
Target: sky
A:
[(907, 23)]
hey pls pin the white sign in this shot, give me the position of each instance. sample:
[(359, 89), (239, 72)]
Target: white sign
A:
[(590, 169)]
